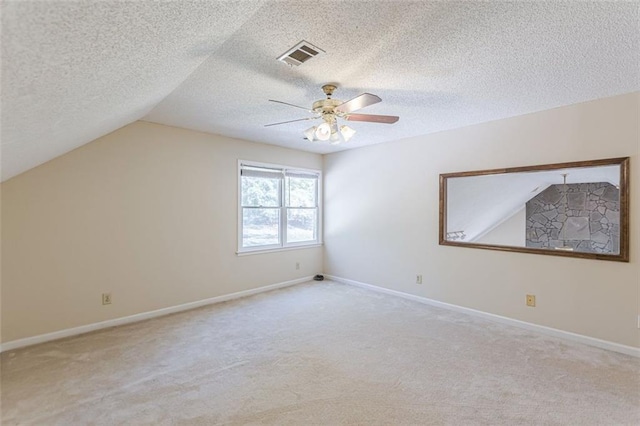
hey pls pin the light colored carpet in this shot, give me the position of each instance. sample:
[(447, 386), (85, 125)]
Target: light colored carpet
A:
[(318, 353)]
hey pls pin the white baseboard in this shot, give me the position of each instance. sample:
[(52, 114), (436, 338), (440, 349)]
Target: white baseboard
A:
[(34, 340), (591, 341)]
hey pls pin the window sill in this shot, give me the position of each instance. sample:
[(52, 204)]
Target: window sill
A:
[(251, 252)]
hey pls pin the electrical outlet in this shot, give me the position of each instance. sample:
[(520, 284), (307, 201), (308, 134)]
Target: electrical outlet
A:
[(531, 300), (418, 279), (297, 265), (106, 298)]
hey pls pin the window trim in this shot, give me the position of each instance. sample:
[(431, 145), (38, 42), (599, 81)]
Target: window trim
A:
[(282, 245)]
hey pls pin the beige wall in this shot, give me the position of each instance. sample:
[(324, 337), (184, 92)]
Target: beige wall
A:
[(382, 227), (147, 213)]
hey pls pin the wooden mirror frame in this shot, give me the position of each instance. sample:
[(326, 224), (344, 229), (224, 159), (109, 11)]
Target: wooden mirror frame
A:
[(622, 256)]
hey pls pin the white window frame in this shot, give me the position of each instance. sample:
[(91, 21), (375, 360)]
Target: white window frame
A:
[(282, 245)]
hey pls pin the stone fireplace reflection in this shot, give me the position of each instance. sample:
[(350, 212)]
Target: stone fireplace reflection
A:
[(587, 219)]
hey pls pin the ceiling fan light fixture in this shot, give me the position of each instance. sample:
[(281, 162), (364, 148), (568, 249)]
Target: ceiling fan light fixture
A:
[(323, 132), (310, 132), (347, 132)]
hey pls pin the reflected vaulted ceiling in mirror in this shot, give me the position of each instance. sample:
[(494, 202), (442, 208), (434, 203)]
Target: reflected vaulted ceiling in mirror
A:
[(578, 209)]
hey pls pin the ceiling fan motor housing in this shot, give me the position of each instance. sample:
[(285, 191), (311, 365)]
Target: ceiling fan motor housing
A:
[(326, 106)]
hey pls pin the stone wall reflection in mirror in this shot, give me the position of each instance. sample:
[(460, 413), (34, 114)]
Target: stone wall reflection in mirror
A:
[(583, 217), (575, 208)]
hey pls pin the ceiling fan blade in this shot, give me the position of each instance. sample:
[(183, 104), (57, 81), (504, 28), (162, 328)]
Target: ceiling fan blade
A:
[(358, 102), (371, 118), (290, 121), (285, 103)]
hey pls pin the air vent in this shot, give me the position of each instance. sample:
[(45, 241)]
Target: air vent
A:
[(300, 53)]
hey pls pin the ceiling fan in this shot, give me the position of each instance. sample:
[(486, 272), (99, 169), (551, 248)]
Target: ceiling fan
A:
[(330, 110)]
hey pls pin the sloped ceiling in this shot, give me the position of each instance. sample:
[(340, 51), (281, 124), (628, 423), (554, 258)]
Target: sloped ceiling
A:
[(74, 71)]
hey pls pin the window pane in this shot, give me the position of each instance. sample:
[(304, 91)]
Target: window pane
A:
[(301, 225), (260, 192), (260, 227), (301, 192)]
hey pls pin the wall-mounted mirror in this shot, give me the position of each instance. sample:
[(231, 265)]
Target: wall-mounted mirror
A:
[(578, 209)]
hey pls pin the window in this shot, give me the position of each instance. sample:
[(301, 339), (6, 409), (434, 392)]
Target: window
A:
[(279, 207)]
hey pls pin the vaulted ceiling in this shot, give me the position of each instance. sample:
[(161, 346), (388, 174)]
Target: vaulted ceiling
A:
[(74, 71)]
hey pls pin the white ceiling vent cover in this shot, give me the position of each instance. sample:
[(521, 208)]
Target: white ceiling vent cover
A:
[(300, 53)]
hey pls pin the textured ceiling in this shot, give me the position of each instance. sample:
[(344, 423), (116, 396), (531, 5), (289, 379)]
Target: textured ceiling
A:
[(74, 71)]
